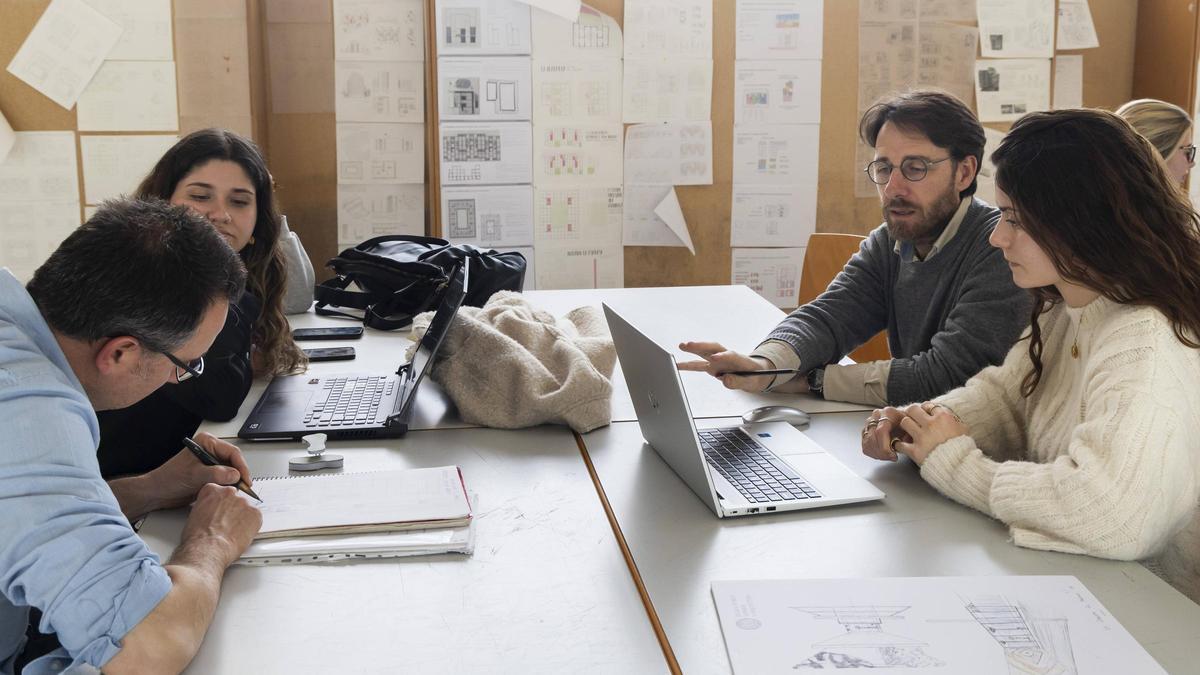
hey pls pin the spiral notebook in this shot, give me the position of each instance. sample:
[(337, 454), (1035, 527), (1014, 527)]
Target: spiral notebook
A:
[(374, 501), (345, 515)]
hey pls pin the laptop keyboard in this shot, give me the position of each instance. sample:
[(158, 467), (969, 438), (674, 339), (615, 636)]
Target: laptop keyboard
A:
[(748, 466), (348, 401)]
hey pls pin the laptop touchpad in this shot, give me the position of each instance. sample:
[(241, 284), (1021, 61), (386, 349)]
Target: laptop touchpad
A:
[(279, 401)]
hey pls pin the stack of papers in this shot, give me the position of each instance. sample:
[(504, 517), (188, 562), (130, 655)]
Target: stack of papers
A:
[(321, 518)]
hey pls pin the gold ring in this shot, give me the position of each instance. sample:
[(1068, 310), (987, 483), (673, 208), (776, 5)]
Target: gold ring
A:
[(892, 445)]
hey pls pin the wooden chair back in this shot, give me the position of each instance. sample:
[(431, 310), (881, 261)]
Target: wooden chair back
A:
[(827, 254)]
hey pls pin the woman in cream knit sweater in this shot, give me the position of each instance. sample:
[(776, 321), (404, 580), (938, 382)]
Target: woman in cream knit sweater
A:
[(1087, 438)]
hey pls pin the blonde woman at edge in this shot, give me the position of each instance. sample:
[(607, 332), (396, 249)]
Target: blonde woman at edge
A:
[(1085, 440), (1169, 130)]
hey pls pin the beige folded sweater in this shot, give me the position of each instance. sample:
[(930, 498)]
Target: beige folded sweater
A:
[(510, 365)]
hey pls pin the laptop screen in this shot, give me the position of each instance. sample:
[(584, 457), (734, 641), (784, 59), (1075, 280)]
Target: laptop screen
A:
[(452, 298)]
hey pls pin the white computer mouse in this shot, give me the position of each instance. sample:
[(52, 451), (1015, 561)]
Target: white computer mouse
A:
[(777, 413)]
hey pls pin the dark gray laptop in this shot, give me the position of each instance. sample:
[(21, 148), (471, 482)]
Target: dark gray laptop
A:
[(353, 405), (748, 469)]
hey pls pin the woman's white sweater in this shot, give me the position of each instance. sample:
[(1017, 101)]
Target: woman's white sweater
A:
[(1104, 457)]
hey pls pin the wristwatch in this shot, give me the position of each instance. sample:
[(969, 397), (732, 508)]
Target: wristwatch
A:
[(816, 381)]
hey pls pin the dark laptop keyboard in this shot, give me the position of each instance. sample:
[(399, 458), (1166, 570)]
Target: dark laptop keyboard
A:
[(748, 466), (348, 401)]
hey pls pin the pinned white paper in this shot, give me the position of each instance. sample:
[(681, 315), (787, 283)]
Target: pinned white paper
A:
[(64, 50), (7, 137), (1068, 81), (1075, 27), (671, 214)]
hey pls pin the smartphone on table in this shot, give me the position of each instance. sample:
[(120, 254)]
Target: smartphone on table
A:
[(330, 354), (328, 333)]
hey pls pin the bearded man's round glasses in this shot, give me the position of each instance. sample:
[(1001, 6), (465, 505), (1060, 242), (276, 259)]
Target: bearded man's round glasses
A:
[(912, 168)]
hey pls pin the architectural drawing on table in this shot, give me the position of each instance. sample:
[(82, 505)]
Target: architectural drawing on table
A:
[(558, 215), (864, 644), (461, 214), (462, 26), (1031, 646), (463, 95)]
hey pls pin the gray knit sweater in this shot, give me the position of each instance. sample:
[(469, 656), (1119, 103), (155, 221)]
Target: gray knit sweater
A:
[(946, 317)]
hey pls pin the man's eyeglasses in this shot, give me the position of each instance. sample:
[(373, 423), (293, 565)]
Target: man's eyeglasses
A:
[(1189, 151), (912, 168), (186, 371)]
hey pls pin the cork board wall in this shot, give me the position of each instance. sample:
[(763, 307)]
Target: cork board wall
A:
[(289, 50)]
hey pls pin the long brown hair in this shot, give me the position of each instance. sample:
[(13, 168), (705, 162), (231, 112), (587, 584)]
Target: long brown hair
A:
[(263, 257), (1097, 198)]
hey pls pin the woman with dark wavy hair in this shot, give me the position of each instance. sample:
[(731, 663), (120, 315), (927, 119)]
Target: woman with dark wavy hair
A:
[(223, 177), (1087, 438)]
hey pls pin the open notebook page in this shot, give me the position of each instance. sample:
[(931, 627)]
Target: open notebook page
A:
[(362, 502)]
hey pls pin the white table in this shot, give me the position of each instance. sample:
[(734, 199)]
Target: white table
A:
[(546, 591), (679, 547), (734, 315)]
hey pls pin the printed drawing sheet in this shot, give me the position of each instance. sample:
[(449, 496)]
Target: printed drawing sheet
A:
[(577, 155), (1075, 27), (905, 626), (145, 28), (661, 89), (366, 211), (380, 153), (577, 238), (780, 29), (108, 102), (773, 273), (594, 35), (480, 89), (669, 154), (777, 92), (1068, 81), (679, 28), (114, 165), (64, 50), (475, 27), (657, 158), (778, 155), (378, 30), (576, 91), (490, 217), (39, 197), (379, 91), (1016, 28), (481, 154), (1006, 89), (771, 215)]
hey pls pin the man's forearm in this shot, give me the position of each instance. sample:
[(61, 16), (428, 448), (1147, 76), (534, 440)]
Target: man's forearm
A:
[(135, 495), (168, 638)]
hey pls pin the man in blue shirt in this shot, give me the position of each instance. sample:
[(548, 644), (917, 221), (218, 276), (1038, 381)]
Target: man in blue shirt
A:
[(129, 302)]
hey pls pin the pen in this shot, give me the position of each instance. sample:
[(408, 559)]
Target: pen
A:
[(208, 460), (774, 371)]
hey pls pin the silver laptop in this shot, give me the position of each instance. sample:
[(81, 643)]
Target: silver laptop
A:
[(737, 471)]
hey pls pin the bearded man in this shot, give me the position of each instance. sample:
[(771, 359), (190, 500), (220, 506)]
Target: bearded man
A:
[(927, 275)]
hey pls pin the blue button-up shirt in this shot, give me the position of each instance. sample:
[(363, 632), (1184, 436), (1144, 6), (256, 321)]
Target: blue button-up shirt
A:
[(65, 547)]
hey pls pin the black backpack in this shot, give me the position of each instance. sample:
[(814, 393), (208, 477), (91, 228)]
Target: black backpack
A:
[(401, 276)]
